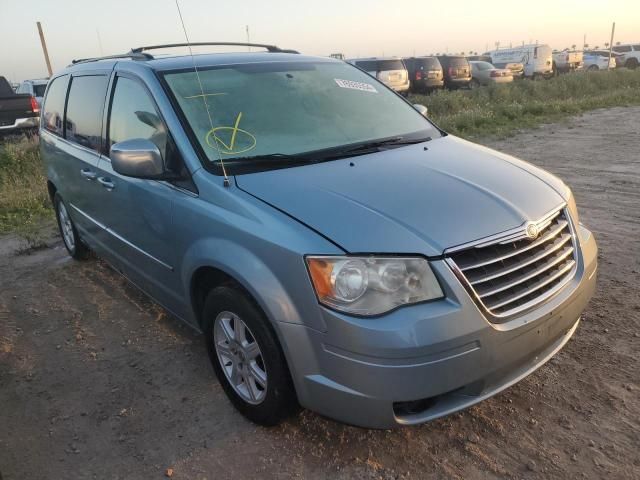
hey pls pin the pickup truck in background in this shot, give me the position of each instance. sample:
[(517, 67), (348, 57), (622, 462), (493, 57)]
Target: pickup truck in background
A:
[(35, 88), (19, 113), (567, 61)]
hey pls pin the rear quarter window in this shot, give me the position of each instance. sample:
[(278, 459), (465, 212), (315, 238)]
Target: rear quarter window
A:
[(84, 110), (53, 111)]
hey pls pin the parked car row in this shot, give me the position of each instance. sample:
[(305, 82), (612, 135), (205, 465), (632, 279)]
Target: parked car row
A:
[(428, 73)]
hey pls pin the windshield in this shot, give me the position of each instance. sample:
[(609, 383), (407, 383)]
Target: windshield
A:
[(289, 109)]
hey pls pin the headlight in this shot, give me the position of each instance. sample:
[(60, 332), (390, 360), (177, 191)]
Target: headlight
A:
[(573, 209), (372, 285)]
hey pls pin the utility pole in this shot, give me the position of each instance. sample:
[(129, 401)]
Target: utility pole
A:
[(44, 48), (99, 43), (613, 29)]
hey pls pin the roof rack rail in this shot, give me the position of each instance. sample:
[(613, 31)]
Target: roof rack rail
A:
[(269, 48), (133, 55), (139, 52)]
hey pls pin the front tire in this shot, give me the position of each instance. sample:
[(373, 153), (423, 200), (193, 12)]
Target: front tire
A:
[(593, 68), (246, 357), (68, 231)]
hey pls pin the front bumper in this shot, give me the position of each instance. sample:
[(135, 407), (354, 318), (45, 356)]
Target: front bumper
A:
[(425, 361), (21, 123)]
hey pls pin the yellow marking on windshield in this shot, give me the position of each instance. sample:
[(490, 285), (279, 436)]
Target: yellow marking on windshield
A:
[(241, 141), (235, 131), (207, 95)]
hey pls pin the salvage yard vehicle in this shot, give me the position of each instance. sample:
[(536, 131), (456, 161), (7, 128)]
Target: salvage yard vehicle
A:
[(18, 112), (630, 53), (35, 88), (338, 250), (484, 73), (425, 74), (390, 71), (567, 61), (598, 60), (537, 59), (457, 71)]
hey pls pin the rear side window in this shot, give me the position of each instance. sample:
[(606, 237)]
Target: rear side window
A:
[(133, 115), (53, 112), (622, 48), (84, 110)]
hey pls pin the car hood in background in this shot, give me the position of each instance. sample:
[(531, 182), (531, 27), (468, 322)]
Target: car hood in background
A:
[(411, 200)]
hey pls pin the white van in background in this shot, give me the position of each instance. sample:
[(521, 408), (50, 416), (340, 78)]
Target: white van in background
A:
[(537, 59)]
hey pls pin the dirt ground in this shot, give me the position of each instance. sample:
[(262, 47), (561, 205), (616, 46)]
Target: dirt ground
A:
[(96, 381)]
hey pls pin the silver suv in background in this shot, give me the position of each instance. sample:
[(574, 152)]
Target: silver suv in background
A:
[(390, 71)]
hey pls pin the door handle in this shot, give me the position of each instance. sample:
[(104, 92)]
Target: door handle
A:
[(88, 174), (106, 183)]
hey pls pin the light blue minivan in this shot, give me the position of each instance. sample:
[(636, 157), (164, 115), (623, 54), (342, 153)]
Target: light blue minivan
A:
[(338, 250)]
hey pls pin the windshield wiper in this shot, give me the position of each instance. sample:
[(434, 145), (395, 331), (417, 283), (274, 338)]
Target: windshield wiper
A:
[(365, 148), (268, 161), (283, 160)]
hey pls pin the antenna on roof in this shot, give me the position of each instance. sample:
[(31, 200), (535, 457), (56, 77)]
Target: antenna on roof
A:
[(204, 97)]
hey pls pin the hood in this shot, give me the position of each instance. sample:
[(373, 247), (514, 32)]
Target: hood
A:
[(411, 200)]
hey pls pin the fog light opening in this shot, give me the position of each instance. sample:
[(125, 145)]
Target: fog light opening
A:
[(413, 407)]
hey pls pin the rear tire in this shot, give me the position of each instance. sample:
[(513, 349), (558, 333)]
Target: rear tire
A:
[(593, 68), (68, 231), (246, 357), (632, 63)]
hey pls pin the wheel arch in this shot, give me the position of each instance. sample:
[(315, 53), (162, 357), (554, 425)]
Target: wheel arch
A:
[(213, 262), (52, 189)]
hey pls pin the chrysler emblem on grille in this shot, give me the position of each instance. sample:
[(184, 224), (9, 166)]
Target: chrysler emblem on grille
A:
[(532, 230)]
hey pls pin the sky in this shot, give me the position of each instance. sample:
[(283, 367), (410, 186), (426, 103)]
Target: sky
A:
[(87, 28)]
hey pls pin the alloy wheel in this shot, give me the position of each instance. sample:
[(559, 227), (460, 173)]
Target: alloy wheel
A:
[(66, 227), (240, 357)]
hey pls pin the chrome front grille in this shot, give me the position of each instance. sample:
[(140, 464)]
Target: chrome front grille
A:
[(513, 272)]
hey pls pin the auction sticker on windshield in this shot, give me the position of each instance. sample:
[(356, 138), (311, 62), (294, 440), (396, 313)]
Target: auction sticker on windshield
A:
[(365, 87)]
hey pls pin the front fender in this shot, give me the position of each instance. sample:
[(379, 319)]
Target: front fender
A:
[(291, 303)]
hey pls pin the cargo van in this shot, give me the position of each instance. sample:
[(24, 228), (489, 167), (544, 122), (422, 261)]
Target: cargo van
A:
[(537, 59)]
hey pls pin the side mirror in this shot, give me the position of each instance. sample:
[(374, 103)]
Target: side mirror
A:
[(421, 108), (139, 158)]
